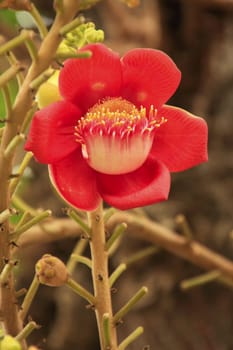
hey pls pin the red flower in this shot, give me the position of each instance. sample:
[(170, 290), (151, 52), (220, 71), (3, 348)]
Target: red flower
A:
[(112, 137)]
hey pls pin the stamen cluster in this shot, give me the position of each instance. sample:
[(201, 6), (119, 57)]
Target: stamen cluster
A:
[(101, 120)]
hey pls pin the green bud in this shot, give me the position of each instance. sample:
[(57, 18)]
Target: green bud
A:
[(94, 36), (9, 343), (84, 34)]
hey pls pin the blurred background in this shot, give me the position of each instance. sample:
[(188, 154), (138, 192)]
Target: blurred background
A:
[(198, 35)]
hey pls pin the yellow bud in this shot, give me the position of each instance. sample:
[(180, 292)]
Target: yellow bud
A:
[(48, 92), (132, 3), (9, 343), (51, 271)]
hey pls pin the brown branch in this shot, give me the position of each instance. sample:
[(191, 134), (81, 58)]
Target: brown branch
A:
[(22, 104), (141, 228)]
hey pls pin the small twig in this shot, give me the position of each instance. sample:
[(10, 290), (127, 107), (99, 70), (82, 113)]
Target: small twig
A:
[(7, 213), (13, 61), (6, 271), (117, 273), (77, 288), (13, 43), (129, 305), (71, 25), (9, 74), (78, 250), (117, 233), (144, 253), (14, 182), (184, 226), (7, 100), (13, 144), (199, 280), (43, 77), (27, 330), (107, 331), (37, 219), (73, 215), (108, 214), (82, 259), (133, 336), (29, 297), (39, 21)]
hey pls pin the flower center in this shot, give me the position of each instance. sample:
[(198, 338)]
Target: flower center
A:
[(116, 137)]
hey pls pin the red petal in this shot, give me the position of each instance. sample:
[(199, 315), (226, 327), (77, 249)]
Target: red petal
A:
[(181, 142), (150, 77), (146, 185), (86, 81), (51, 135), (75, 181)]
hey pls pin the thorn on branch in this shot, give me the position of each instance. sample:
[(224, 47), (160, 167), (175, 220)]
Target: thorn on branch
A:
[(114, 290), (14, 244), (13, 176), (90, 307), (100, 277)]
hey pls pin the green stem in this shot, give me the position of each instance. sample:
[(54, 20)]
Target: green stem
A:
[(14, 182), (116, 274), (31, 49), (129, 305), (82, 259), (77, 288), (13, 43), (14, 62), (73, 215), (22, 205), (24, 218), (78, 250), (42, 78), (7, 100), (26, 331), (117, 233), (108, 214), (133, 336), (100, 277), (37, 219), (61, 55), (144, 253), (39, 21), (13, 144), (6, 214), (72, 25), (107, 331), (199, 280), (184, 226), (9, 74), (6, 272), (29, 297), (28, 118)]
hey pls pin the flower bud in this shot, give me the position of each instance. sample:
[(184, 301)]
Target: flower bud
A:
[(9, 343), (51, 271), (132, 3), (48, 92)]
